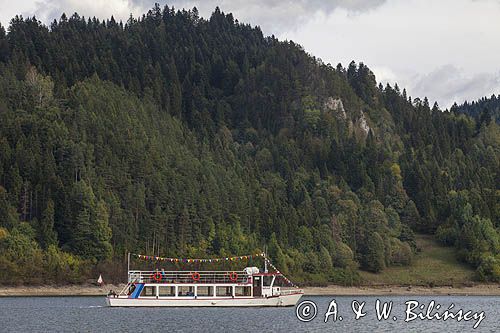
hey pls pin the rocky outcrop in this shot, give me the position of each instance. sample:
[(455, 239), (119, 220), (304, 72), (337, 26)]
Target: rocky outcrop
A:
[(335, 105), (362, 124)]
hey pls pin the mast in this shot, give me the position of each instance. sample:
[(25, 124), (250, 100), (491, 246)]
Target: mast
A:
[(128, 264), (265, 259)]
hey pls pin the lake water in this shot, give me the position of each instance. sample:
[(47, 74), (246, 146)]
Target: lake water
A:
[(89, 314)]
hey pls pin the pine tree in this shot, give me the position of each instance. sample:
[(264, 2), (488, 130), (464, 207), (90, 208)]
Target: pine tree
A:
[(47, 234), (101, 233), (276, 253), (174, 89), (4, 45), (373, 259), (8, 218), (90, 234)]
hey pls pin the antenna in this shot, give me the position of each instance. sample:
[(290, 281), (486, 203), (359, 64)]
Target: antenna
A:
[(265, 258), (128, 263)]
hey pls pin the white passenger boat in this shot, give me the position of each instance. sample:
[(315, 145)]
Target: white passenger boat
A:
[(249, 287)]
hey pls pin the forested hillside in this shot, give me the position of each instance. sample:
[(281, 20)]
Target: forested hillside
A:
[(192, 137), (483, 110)]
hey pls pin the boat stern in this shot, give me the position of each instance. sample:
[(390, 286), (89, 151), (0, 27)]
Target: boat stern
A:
[(290, 299)]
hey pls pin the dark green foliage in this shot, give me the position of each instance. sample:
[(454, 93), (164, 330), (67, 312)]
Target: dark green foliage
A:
[(489, 269), (373, 258), (193, 137), (483, 111), (88, 230), (345, 277), (23, 261), (8, 214), (276, 253), (48, 235), (475, 237)]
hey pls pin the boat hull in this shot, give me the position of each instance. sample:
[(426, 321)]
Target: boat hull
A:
[(275, 301)]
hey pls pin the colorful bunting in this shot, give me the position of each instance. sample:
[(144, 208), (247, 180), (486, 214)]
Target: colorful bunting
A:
[(283, 276), (191, 260), (197, 260)]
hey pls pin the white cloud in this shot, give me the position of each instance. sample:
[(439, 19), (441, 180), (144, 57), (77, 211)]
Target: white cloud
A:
[(449, 84), (384, 74), (9, 9), (278, 16), (47, 10)]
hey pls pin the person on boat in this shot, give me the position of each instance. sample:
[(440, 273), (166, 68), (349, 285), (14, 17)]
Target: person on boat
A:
[(131, 289)]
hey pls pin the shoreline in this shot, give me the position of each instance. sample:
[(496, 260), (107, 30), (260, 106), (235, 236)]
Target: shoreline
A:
[(398, 290), (332, 290)]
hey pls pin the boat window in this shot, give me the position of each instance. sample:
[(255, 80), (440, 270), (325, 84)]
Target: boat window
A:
[(242, 291), (166, 291), (256, 281), (148, 291), (186, 291), (267, 280), (225, 291), (205, 291)]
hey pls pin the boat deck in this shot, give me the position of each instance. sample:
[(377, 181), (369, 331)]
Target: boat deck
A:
[(198, 277)]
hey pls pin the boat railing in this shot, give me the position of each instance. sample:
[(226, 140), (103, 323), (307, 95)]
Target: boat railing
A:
[(194, 277)]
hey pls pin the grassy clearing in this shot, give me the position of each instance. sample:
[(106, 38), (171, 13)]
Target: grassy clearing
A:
[(434, 265)]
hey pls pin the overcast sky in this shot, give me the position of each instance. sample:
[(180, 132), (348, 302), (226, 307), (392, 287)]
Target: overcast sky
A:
[(447, 50)]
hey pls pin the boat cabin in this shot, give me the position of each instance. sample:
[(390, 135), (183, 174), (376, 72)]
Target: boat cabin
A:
[(158, 284)]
